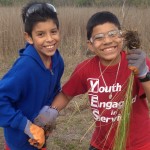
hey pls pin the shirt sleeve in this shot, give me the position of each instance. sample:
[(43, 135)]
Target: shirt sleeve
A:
[(148, 62), (76, 84), (141, 90), (10, 93)]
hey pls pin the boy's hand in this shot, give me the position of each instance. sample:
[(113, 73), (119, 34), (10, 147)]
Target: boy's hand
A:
[(36, 133), (46, 116), (47, 119), (137, 62)]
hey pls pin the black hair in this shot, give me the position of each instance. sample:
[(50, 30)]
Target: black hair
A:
[(42, 14), (99, 19)]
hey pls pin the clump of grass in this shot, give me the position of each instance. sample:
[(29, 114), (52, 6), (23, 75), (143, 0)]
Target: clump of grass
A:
[(132, 39)]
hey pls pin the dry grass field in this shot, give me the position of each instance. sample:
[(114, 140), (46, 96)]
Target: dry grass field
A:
[(76, 119)]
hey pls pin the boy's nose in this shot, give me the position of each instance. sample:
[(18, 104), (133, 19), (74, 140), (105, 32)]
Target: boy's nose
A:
[(49, 38), (107, 39)]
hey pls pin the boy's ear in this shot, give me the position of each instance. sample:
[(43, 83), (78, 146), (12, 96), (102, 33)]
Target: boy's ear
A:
[(28, 38), (90, 46)]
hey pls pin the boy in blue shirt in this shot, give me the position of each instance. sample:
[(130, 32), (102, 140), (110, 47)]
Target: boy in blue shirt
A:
[(34, 79)]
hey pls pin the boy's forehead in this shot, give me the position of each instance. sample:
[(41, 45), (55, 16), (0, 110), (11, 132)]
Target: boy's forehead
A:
[(105, 27), (42, 25)]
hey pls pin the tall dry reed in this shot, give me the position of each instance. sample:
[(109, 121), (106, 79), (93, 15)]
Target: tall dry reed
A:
[(72, 25)]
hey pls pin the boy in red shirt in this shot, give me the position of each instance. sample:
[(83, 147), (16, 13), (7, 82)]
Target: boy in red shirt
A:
[(104, 77)]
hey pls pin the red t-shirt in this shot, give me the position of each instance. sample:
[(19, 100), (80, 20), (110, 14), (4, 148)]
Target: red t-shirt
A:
[(106, 112)]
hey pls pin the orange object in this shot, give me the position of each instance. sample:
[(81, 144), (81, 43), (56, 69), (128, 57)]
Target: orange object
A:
[(38, 134), (134, 69)]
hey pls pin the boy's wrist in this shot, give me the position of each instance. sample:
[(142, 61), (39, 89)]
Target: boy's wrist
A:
[(27, 129), (145, 78), (54, 107)]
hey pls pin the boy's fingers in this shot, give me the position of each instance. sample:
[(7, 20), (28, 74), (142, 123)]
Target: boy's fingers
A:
[(134, 69), (33, 142)]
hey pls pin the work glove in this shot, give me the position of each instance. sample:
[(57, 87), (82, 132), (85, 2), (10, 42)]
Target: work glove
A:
[(47, 119), (36, 133), (137, 62)]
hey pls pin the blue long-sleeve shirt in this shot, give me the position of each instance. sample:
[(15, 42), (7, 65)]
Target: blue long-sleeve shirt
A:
[(24, 90)]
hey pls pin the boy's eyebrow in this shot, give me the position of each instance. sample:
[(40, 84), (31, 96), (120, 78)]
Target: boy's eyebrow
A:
[(50, 30), (55, 28), (39, 31)]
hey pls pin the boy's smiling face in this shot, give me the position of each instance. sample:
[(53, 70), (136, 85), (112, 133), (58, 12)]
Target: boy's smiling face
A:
[(107, 48), (45, 38)]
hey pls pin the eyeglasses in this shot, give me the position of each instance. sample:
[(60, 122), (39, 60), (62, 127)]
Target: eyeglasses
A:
[(36, 7), (101, 36)]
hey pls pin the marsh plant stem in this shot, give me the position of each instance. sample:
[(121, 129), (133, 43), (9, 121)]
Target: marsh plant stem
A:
[(123, 125)]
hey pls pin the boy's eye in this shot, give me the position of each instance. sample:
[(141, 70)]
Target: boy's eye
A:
[(113, 33), (54, 31), (40, 34), (99, 37), (110, 34)]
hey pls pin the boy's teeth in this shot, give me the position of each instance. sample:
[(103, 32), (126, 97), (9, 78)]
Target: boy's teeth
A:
[(50, 46), (109, 49)]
